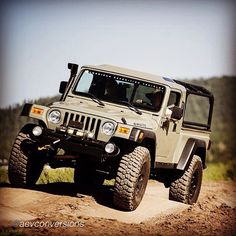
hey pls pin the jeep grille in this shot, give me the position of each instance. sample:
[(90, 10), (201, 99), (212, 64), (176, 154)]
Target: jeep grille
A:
[(89, 123)]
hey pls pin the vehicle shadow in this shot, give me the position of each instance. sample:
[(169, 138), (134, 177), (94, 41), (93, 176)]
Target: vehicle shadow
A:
[(103, 194)]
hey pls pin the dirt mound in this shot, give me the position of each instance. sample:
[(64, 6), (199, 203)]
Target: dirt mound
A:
[(62, 209)]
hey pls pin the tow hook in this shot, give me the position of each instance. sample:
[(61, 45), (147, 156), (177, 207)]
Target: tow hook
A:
[(52, 146), (46, 147)]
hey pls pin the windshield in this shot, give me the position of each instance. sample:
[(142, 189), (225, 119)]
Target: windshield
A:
[(114, 88)]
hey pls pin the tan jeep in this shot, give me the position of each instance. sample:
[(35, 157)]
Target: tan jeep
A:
[(115, 123)]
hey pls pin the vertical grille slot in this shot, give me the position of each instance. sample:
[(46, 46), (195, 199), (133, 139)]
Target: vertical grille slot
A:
[(97, 127), (77, 118), (65, 118), (82, 119), (87, 123), (92, 124), (71, 116)]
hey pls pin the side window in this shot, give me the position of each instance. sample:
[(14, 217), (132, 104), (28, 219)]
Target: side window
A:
[(197, 110), (173, 99)]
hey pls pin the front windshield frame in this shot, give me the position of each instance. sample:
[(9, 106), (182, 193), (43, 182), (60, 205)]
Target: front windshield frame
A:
[(138, 93)]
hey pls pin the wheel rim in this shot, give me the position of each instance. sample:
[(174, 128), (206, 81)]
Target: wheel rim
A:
[(194, 185), (140, 186)]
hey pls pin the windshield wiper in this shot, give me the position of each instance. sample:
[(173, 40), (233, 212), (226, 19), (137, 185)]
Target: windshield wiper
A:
[(128, 104), (94, 98)]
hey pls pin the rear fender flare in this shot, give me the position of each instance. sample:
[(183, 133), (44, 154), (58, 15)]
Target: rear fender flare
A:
[(192, 147)]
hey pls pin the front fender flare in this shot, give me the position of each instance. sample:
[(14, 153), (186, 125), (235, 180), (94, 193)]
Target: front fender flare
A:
[(35, 111)]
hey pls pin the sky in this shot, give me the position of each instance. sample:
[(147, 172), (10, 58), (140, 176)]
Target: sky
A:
[(178, 39)]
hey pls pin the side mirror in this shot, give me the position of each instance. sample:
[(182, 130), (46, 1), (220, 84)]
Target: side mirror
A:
[(177, 113), (62, 88)]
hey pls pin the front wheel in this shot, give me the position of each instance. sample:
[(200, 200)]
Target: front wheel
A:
[(131, 180), (25, 166), (186, 189)]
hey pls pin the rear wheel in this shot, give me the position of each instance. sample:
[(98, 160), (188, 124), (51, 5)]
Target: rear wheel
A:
[(131, 180), (186, 189), (25, 166)]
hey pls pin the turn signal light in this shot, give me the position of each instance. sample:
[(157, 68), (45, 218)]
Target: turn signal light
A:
[(37, 110), (123, 130)]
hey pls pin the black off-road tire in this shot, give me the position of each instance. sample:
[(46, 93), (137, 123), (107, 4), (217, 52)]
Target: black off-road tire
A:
[(85, 175), (186, 189), (131, 180), (24, 166)]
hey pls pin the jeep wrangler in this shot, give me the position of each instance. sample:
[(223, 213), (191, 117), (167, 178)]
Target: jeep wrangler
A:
[(116, 123)]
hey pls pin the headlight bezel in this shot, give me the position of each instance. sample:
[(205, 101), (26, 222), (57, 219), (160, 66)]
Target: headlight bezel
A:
[(54, 114), (108, 128)]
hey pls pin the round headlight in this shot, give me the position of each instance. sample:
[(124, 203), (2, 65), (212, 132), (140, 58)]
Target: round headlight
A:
[(108, 128), (54, 117)]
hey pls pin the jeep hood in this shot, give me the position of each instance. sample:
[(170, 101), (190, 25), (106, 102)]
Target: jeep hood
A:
[(113, 112)]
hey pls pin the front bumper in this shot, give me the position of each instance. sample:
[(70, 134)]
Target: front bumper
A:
[(60, 141)]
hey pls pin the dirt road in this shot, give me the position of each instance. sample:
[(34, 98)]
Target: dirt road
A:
[(62, 208)]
